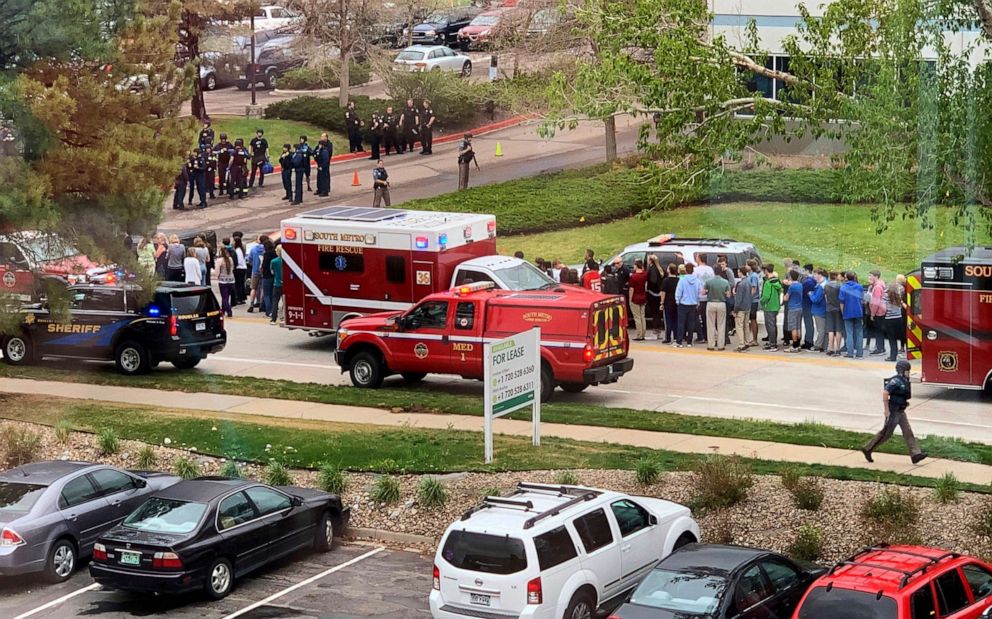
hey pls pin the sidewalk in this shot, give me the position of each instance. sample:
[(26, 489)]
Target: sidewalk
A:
[(682, 443)]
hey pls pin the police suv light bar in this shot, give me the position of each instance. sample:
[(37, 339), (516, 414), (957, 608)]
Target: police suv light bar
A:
[(473, 287), (661, 239)]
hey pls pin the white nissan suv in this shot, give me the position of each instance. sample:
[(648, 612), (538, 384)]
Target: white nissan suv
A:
[(553, 552)]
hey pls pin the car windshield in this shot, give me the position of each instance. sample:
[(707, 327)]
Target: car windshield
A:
[(478, 552), (437, 18), (16, 497), (485, 20), (837, 602), (166, 516), (48, 248), (681, 592), (410, 54), (524, 276)]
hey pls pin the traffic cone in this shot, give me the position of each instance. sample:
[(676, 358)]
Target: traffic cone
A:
[(354, 180), (499, 149)]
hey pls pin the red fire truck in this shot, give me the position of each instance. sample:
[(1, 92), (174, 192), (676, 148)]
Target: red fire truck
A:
[(950, 318), (345, 261)]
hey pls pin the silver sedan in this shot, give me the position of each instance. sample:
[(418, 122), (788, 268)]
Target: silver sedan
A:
[(433, 58)]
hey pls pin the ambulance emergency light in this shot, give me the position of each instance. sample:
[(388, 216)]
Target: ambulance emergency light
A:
[(421, 242), (661, 239)]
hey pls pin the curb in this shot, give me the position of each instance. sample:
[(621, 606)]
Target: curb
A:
[(389, 537)]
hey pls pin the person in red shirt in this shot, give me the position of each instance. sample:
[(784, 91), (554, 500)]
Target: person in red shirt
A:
[(638, 297), (591, 279)]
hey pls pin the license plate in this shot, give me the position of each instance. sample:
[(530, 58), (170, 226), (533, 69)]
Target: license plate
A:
[(130, 558), (201, 326), (479, 600)]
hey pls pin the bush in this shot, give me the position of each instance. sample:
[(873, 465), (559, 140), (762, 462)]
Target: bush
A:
[(185, 468), (790, 477), (276, 474), (327, 76), (946, 490), (566, 478), (454, 100), (431, 492), (385, 491), (982, 523), (891, 516), (647, 471), (808, 544), (769, 185), (147, 459), (108, 442), (331, 479), (20, 446), (492, 491), (63, 430), (230, 469), (720, 482), (807, 493)]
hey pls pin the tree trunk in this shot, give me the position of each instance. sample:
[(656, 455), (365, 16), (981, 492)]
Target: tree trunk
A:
[(198, 107), (345, 78), (611, 138)]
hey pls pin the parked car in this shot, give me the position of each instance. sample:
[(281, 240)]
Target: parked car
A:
[(28, 254), (205, 533), (52, 512), (553, 551), (181, 324), (275, 17), (271, 62), (218, 70), (480, 30), (678, 250), (433, 58), (709, 581), (901, 582), (441, 27)]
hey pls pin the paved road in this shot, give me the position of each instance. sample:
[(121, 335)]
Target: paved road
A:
[(379, 583)]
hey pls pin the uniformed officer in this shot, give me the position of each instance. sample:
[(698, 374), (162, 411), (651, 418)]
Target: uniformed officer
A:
[(427, 120), (182, 181), (380, 185), (211, 174), (198, 170), (286, 164), (895, 399), (466, 155), (222, 150), (304, 149), (390, 121), (301, 168), (408, 126), (354, 125), (191, 173), (259, 155), (206, 134), (237, 187), (323, 154), (376, 128)]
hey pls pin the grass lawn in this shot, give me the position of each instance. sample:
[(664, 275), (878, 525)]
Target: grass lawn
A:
[(832, 235), (371, 448), (277, 132)]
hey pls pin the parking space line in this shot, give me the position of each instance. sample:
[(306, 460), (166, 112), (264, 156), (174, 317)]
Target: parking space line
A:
[(58, 601), (302, 583)]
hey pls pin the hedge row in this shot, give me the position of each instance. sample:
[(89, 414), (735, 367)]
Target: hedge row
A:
[(307, 78)]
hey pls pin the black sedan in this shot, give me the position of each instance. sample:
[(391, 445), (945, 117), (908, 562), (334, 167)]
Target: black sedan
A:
[(204, 533), (708, 581)]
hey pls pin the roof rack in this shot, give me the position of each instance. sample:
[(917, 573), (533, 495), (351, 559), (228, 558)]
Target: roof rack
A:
[(588, 496), (560, 489), (907, 575), (493, 501)]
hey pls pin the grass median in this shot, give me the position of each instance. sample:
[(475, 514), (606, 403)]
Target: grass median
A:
[(432, 401), (277, 132)]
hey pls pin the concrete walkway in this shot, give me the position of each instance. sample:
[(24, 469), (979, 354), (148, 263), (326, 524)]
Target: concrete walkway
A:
[(682, 443)]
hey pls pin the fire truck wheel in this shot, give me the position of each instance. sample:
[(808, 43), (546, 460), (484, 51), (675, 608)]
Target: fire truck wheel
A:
[(17, 350), (367, 371), (573, 387), (414, 377), (547, 383)]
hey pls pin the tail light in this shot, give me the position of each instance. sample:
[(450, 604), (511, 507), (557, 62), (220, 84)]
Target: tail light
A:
[(588, 353), (420, 65), (99, 552), (437, 579), (534, 593), (166, 561), (173, 325), (9, 538), (491, 228)]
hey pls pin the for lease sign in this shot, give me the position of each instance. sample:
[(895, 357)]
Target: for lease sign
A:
[(513, 380)]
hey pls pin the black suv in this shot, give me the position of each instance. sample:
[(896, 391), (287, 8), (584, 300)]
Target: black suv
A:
[(182, 324), (442, 27), (271, 62)]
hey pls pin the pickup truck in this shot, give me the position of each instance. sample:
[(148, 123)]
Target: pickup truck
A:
[(583, 336)]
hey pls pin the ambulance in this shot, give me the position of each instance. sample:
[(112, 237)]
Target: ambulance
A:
[(950, 318), (340, 262)]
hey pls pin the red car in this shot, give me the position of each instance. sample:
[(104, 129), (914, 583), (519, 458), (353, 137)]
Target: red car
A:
[(901, 582), (480, 30)]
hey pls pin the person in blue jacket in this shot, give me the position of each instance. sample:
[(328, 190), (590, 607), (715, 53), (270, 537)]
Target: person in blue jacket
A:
[(323, 154), (818, 308), (850, 297), (809, 283), (286, 165), (301, 168)]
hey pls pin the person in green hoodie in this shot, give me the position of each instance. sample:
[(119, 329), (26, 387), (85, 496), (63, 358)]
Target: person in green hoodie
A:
[(771, 302)]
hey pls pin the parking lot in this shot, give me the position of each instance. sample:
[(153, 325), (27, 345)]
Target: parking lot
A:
[(351, 581)]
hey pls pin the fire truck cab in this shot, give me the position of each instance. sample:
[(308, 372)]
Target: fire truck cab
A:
[(344, 261), (583, 336), (950, 318)]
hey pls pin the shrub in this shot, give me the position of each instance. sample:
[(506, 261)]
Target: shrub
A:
[(331, 479), (808, 544), (20, 446), (891, 516), (431, 492), (566, 478), (807, 493), (108, 442), (63, 430), (230, 469), (647, 471), (722, 529), (327, 76), (147, 459), (276, 474), (386, 490), (492, 491), (454, 100), (720, 482), (790, 477), (186, 468), (946, 490), (982, 523)]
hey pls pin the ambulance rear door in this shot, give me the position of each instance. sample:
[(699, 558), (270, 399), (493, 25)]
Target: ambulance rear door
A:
[(947, 314)]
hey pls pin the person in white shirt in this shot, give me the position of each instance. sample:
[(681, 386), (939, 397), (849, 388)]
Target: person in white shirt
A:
[(703, 273), (556, 270), (192, 267)]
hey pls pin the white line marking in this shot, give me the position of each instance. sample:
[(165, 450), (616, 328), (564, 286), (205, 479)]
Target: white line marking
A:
[(270, 362), (58, 601), (303, 583)]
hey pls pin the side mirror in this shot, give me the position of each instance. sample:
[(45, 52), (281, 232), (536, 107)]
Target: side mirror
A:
[(402, 323), (987, 614), (140, 483), (296, 501), (652, 519)]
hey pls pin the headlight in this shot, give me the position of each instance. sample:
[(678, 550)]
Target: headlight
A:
[(342, 333), (430, 33)]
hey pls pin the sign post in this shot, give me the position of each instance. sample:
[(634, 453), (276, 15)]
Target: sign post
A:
[(513, 381)]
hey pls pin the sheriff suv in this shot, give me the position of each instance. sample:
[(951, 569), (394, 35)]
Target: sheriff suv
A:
[(180, 323), (553, 552), (901, 582)]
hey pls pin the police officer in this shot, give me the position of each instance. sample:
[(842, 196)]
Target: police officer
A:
[(237, 187), (304, 149), (222, 150), (323, 154), (380, 185), (191, 172), (182, 181), (390, 121), (259, 155), (376, 129), (211, 175), (286, 164), (466, 155), (199, 166), (301, 168), (354, 125), (895, 399), (408, 127), (427, 121), (206, 134)]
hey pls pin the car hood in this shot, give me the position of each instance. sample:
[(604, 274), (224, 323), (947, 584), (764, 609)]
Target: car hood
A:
[(476, 29), (373, 322), (124, 534), (636, 611), (73, 264)]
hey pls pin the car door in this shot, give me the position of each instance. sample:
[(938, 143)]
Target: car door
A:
[(96, 315), (601, 553), (979, 580), (787, 584), (423, 345), (84, 511), (953, 596), (752, 595), (244, 533), (639, 546), (466, 340), (289, 526), (120, 490), (921, 603)]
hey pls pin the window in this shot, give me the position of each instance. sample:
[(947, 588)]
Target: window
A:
[(630, 516), (680, 592), (846, 603), (334, 261), (951, 594), (166, 516), (98, 300), (15, 497), (781, 576), (465, 315), (434, 54), (554, 548), (478, 552), (628, 259), (278, 14), (234, 510), (195, 303), (429, 315), (978, 579), (395, 269), (268, 501), (921, 603), (109, 481), (10, 254), (593, 530), (77, 492), (668, 257), (752, 589), (468, 276)]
